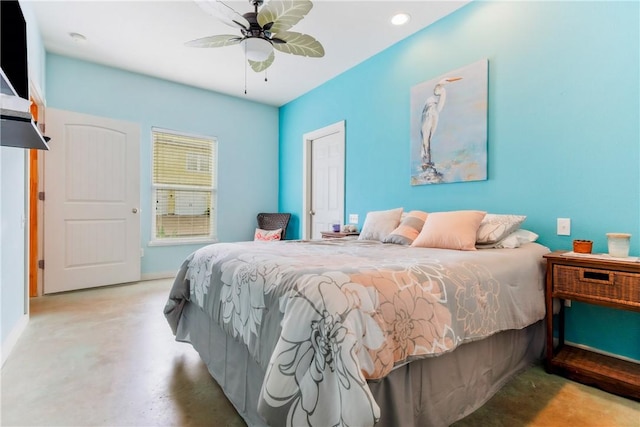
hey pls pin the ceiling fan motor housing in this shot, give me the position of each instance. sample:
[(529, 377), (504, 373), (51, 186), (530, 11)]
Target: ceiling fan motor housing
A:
[(255, 30)]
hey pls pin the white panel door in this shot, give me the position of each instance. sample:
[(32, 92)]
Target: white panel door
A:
[(92, 199), (327, 182)]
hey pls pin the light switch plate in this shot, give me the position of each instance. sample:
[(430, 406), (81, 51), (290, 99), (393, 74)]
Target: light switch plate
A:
[(564, 226), (353, 218)]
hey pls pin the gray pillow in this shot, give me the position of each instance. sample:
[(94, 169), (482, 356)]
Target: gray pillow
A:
[(379, 224), (495, 227)]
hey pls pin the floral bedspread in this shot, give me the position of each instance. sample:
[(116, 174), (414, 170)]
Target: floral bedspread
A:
[(323, 317)]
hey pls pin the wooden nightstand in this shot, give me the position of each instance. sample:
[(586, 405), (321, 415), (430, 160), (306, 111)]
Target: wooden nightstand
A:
[(610, 282), (336, 234)]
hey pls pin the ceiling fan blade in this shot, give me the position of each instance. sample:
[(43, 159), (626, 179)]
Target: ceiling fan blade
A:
[(263, 65), (283, 14), (299, 44), (215, 41), (223, 13)]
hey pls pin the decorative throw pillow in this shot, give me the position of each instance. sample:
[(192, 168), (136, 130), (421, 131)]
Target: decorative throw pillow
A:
[(450, 230), (378, 224), (267, 235), (408, 230), (494, 227)]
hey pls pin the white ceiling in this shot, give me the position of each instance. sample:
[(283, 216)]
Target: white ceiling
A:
[(148, 37)]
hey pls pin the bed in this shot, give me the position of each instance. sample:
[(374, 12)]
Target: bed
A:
[(358, 332)]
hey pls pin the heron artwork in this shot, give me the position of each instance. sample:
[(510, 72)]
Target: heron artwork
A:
[(448, 115), (429, 124)]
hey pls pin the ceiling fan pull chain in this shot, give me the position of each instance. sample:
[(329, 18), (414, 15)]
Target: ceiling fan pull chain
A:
[(265, 75), (245, 69)]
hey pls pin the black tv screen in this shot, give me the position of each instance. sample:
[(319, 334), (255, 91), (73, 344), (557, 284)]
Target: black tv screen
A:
[(13, 49)]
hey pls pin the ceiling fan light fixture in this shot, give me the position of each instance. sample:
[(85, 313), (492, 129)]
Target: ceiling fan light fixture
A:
[(400, 18), (257, 49)]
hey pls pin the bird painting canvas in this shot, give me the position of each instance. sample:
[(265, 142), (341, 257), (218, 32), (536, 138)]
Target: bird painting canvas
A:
[(449, 127)]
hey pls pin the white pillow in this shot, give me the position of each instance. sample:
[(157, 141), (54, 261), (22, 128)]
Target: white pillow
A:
[(495, 227), (513, 240), (379, 224), (517, 239)]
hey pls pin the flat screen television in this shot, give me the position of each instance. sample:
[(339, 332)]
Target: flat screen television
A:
[(13, 48), (16, 124)]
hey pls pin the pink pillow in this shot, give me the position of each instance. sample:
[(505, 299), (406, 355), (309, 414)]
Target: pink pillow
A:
[(450, 230), (267, 235)]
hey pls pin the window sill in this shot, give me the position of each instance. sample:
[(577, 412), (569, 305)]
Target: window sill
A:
[(182, 242)]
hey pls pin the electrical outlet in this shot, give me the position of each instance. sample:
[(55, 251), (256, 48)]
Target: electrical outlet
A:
[(353, 218), (564, 226)]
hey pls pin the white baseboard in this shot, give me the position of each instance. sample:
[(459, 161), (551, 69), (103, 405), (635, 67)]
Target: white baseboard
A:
[(155, 276), (14, 335)]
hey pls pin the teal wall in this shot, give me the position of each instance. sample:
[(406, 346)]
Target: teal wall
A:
[(564, 137), (247, 158)]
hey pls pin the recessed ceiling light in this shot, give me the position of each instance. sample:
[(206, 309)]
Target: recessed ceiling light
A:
[(400, 19), (78, 38)]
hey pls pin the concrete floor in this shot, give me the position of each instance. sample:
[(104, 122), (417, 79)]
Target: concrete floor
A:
[(106, 357)]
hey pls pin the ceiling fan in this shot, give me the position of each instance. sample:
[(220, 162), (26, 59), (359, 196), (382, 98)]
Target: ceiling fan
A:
[(262, 30)]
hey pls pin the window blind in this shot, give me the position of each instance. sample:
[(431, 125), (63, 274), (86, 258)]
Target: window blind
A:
[(184, 184)]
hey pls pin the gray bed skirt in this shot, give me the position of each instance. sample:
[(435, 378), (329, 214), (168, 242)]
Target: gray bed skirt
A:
[(430, 392)]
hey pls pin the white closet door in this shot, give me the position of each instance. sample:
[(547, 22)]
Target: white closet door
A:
[(327, 183), (323, 179)]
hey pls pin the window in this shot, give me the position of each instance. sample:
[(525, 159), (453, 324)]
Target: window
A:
[(184, 187), (197, 162)]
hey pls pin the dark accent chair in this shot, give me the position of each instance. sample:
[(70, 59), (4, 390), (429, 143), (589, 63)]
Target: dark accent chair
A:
[(273, 221)]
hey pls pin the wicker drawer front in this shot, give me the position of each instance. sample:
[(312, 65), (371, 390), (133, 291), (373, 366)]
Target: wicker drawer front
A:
[(604, 284)]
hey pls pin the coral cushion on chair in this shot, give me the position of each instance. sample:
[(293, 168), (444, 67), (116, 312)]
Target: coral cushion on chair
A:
[(267, 235)]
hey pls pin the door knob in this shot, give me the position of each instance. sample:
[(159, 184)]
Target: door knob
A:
[(312, 213), (134, 210)]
